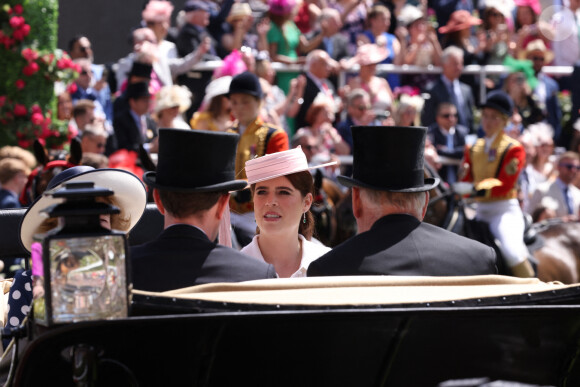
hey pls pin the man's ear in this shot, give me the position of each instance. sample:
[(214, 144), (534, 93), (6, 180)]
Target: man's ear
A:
[(357, 209), (425, 205), (222, 204), (158, 201)]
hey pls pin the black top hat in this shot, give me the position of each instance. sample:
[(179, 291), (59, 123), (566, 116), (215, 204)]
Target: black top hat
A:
[(138, 90), (389, 158), (141, 70), (246, 83), (499, 100), (195, 161)]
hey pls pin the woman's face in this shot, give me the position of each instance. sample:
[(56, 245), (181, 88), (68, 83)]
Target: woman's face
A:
[(525, 16), (279, 207), (382, 21), (494, 18), (416, 28), (245, 107), (408, 116), (325, 115)]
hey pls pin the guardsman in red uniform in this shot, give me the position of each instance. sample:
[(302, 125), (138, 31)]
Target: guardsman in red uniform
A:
[(498, 156)]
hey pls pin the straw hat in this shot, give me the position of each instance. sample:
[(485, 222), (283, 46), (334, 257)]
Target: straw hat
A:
[(171, 96), (279, 164), (539, 46), (219, 86), (370, 53), (459, 20), (409, 14), (238, 11), (129, 192)]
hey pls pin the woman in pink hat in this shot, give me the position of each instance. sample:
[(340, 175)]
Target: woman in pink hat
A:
[(457, 32), (367, 57), (527, 25), (282, 189)]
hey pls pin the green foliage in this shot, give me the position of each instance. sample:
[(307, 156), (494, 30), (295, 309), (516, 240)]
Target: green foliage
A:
[(30, 64)]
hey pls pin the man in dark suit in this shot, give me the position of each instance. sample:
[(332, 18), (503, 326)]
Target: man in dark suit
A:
[(449, 89), (133, 126), (318, 68), (191, 36), (547, 89), (449, 139), (389, 201), (194, 176)]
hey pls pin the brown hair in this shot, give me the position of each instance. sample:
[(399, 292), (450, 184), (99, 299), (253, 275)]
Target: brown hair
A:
[(313, 112), (304, 183), (184, 204), (10, 167)]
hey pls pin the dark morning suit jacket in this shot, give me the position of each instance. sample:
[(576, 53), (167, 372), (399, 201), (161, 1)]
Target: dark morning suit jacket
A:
[(127, 134), (437, 137), (553, 109), (402, 245), (311, 90), (183, 256), (439, 93)]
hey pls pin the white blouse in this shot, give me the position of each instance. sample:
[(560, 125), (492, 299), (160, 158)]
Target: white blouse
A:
[(310, 252)]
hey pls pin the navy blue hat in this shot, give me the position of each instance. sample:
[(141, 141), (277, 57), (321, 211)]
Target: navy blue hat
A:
[(246, 83), (499, 100), (138, 90), (389, 158), (195, 5), (195, 161), (141, 70)]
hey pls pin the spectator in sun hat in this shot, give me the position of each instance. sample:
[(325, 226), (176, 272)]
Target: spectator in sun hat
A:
[(195, 174), (389, 200), (170, 103), (215, 112)]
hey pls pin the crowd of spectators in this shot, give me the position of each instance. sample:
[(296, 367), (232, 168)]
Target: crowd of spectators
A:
[(337, 44)]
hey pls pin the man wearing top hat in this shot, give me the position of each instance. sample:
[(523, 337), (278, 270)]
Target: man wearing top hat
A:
[(134, 126), (389, 200), (195, 173)]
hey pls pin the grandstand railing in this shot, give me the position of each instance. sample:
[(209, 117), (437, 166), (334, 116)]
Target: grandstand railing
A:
[(482, 71)]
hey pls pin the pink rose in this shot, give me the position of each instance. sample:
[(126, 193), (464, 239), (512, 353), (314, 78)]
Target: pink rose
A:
[(25, 29), (29, 54), (2, 100), (46, 132), (16, 22), (20, 110), (72, 88), (37, 118), (63, 63), (30, 69), (20, 84), (18, 35), (35, 109), (17, 9)]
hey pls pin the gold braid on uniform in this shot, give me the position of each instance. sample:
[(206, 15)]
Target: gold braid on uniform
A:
[(261, 133)]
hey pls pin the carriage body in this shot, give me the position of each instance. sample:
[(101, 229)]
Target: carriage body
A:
[(362, 331)]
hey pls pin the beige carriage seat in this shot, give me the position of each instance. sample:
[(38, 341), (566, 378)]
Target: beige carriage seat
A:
[(361, 290)]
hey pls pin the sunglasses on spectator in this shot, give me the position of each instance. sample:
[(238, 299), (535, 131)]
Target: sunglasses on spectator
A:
[(85, 72), (537, 58), (448, 115), (363, 107), (495, 14), (101, 145), (309, 147), (85, 48), (570, 167)]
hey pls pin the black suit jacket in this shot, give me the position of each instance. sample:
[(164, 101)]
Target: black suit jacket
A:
[(402, 245), (438, 139), (183, 256), (127, 134), (439, 93), (311, 90)]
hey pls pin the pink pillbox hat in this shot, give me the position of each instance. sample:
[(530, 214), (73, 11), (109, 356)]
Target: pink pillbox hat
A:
[(279, 164)]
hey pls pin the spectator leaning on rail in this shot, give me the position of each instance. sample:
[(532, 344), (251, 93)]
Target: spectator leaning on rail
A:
[(194, 175), (389, 200), (493, 164)]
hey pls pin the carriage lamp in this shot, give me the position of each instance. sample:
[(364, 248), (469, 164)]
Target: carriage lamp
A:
[(85, 266)]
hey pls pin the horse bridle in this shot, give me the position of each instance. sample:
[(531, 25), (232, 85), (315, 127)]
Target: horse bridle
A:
[(34, 178)]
